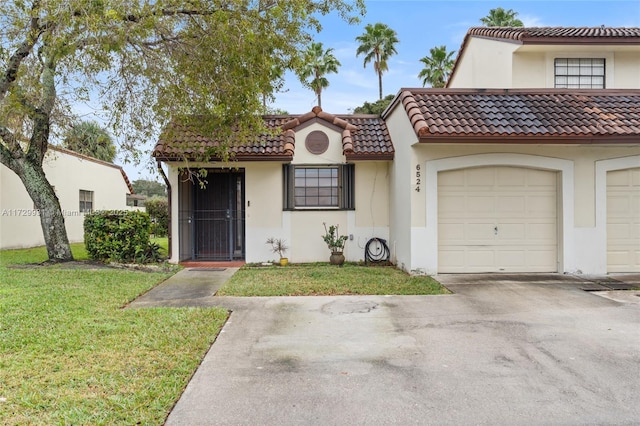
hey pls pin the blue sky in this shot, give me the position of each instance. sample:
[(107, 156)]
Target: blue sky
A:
[(421, 25)]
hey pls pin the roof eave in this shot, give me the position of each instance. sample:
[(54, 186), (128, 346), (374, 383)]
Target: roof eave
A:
[(531, 139), (370, 157), (174, 157)]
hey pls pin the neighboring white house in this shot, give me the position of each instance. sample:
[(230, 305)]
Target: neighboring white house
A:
[(456, 180), (81, 183)]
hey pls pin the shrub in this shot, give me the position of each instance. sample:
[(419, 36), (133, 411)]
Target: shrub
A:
[(158, 209), (119, 236)]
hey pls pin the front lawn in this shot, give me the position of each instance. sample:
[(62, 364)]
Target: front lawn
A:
[(324, 279), (69, 353)]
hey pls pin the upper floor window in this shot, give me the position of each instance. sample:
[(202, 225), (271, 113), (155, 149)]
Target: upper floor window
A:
[(579, 73), (86, 201), (319, 187)]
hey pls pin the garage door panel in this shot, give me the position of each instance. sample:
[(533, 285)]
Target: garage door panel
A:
[(451, 205), (541, 231), (619, 259), (480, 177), (512, 258), (453, 259), (479, 257), (454, 231), (544, 205), (509, 177), (508, 222), (451, 181), (541, 178), (618, 231), (619, 206), (512, 231), (511, 204), (541, 258), (480, 205), (479, 232), (623, 220)]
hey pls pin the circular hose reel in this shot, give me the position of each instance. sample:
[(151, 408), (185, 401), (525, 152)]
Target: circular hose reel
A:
[(376, 251)]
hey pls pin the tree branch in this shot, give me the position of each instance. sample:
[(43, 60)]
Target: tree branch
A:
[(42, 119), (10, 148), (23, 50), (168, 12)]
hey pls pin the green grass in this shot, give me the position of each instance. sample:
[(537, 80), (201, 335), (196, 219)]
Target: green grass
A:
[(325, 279), (69, 353), (163, 242)]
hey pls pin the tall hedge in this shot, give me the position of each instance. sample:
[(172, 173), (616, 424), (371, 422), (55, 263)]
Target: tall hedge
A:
[(119, 236), (158, 209)]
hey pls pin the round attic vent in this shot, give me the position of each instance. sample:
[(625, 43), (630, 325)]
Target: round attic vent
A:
[(317, 142)]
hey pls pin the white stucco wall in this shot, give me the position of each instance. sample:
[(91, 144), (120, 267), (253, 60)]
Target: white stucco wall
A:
[(627, 70), (484, 64), (402, 186), (19, 222)]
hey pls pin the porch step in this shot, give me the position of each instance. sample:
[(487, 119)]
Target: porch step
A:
[(201, 265)]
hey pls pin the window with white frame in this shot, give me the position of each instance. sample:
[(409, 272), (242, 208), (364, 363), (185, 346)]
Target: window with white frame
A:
[(579, 73), (86, 201), (319, 187)]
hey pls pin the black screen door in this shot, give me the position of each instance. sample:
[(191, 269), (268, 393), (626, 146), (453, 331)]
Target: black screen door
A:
[(218, 217)]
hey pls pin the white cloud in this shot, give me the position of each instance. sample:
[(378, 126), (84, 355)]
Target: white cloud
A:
[(531, 21)]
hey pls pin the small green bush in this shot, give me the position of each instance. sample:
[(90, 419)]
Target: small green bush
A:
[(158, 209), (119, 236)]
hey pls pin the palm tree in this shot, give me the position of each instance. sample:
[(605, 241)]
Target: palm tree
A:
[(499, 17), (88, 138), (317, 63), (437, 67), (377, 44)]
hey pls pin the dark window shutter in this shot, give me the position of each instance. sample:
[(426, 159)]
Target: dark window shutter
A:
[(287, 185), (348, 193)]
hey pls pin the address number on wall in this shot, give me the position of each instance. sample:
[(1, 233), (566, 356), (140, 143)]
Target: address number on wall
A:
[(418, 178)]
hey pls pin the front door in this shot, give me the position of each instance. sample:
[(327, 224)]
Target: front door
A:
[(218, 216)]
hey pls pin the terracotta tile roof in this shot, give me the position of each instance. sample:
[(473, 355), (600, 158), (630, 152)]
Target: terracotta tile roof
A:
[(523, 115), (551, 35), (364, 137), (563, 35)]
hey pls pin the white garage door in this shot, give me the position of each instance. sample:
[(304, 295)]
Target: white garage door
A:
[(623, 221), (497, 219)]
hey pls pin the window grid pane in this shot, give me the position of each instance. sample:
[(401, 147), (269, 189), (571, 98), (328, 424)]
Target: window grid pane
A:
[(579, 73), (316, 187), (86, 201)]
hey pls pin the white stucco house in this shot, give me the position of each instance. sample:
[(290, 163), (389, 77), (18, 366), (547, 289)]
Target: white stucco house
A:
[(82, 184), (488, 175)]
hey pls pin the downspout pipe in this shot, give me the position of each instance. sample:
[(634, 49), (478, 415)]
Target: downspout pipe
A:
[(166, 181)]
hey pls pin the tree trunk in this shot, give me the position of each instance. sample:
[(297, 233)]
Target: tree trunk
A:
[(46, 202), (380, 84)]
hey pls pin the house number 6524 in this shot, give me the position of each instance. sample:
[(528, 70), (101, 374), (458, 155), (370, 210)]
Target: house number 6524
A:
[(418, 178)]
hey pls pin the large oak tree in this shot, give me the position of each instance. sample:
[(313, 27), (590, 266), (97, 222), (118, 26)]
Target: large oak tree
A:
[(147, 61)]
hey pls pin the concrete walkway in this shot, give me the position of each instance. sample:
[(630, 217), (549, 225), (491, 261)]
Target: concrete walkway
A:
[(518, 352), (188, 287)]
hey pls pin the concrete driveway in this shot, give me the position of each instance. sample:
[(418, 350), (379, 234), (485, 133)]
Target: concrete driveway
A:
[(538, 351)]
